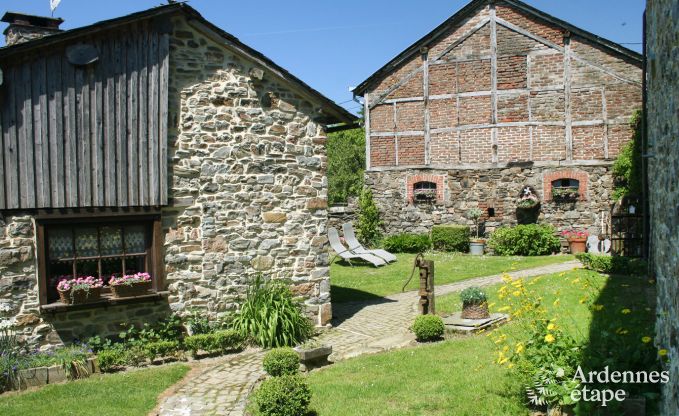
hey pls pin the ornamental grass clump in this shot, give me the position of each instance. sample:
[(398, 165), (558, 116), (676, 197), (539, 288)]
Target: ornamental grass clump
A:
[(271, 316)]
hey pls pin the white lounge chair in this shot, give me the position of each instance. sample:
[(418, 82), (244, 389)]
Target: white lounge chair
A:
[(348, 255), (356, 247)]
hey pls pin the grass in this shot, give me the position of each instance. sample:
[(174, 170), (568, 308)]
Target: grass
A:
[(367, 282), (459, 376), (132, 393)]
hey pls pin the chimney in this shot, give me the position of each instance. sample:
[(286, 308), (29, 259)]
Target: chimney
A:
[(25, 27)]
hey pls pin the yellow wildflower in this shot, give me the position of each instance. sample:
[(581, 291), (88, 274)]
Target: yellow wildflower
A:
[(517, 283), (549, 338), (516, 293), (520, 348), (506, 278), (662, 352), (551, 327), (626, 311), (646, 340), (504, 309), (505, 348), (562, 274), (503, 360), (556, 302), (576, 280), (597, 307)]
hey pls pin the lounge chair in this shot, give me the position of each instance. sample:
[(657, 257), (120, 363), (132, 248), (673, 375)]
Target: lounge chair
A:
[(356, 247), (348, 255)]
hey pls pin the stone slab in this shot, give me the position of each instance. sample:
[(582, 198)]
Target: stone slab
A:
[(457, 324)]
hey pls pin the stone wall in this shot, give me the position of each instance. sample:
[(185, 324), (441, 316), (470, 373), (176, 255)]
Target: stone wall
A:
[(662, 23), (248, 196), (496, 188)]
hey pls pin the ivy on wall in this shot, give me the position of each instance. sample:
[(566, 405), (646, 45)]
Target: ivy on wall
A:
[(627, 166)]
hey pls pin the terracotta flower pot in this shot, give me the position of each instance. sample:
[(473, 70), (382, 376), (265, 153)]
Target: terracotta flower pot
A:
[(577, 245), (80, 296)]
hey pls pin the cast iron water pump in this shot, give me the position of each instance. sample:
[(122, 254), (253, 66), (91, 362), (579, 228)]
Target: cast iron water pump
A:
[(426, 292)]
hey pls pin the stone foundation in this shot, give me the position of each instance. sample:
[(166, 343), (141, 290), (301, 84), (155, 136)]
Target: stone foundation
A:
[(495, 188)]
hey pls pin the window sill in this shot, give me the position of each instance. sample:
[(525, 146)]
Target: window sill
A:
[(104, 302)]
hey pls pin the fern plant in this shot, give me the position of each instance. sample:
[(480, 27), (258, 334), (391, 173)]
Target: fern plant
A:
[(271, 317)]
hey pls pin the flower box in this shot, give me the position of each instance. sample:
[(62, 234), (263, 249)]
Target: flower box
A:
[(130, 285), (565, 194), (132, 289), (79, 296)]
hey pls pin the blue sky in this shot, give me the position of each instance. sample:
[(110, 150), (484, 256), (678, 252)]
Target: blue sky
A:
[(334, 45)]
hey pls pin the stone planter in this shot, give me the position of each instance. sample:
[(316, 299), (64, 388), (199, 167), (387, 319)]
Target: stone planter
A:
[(126, 291), (476, 248), (577, 245), (77, 297), (475, 311), (313, 357), (40, 376)]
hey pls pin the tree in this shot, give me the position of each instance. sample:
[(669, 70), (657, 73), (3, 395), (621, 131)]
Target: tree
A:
[(627, 166), (369, 223), (346, 163)]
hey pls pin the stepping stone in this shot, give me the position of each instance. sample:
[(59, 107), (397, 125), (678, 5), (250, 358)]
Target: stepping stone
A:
[(457, 324)]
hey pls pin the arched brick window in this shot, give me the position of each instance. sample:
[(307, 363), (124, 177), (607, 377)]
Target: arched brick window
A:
[(425, 188), (568, 185)]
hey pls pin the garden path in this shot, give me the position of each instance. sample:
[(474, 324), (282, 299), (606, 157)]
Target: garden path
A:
[(221, 385)]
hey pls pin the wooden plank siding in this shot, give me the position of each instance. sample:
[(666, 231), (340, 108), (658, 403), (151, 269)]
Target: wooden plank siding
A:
[(74, 136)]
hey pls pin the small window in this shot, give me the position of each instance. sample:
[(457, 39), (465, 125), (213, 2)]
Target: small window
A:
[(565, 189), (424, 192), (99, 249)]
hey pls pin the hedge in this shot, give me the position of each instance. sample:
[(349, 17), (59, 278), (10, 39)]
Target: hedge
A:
[(450, 238), (407, 243), (612, 264)]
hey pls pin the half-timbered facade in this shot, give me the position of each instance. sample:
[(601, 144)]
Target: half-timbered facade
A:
[(498, 98), (154, 143)]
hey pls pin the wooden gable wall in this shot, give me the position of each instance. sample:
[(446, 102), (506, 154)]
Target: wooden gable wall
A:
[(86, 135)]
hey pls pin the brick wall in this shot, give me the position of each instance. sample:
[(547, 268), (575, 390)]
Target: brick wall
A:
[(531, 91)]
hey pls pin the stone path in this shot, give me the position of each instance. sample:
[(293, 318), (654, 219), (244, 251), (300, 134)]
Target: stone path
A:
[(221, 386)]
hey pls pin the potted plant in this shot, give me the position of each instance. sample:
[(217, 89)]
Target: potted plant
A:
[(577, 240), (79, 290), (476, 245), (474, 303), (130, 285), (313, 354)]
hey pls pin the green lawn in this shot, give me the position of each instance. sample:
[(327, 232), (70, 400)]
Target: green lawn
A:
[(367, 282), (132, 393), (459, 377)]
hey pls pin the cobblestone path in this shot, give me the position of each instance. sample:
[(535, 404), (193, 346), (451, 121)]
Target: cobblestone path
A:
[(221, 385)]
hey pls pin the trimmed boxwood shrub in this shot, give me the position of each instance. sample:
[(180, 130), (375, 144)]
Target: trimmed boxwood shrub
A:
[(407, 243), (525, 240), (428, 327), (215, 342), (450, 238), (161, 349), (612, 264), (281, 361), (282, 396)]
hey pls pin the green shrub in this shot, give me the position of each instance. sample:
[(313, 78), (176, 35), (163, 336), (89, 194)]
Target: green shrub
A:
[(450, 238), (161, 349), (627, 166), (282, 396), (613, 264), (120, 355), (473, 295), (428, 327), (346, 163), (272, 317), (215, 342), (524, 240), (407, 243), (281, 361), (368, 226)]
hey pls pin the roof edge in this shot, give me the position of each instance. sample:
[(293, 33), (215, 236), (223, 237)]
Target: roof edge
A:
[(361, 88)]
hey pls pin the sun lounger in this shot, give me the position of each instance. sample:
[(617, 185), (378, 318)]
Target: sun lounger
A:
[(356, 246), (348, 255)]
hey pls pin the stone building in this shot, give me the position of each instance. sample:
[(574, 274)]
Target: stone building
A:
[(154, 142), (662, 149), (498, 98)]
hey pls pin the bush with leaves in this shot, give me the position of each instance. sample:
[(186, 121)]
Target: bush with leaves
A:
[(198, 322), (118, 356), (627, 166), (407, 243), (281, 361), (368, 226), (214, 342), (271, 316), (287, 395), (159, 349), (428, 328), (450, 238), (525, 240), (613, 264), (346, 163)]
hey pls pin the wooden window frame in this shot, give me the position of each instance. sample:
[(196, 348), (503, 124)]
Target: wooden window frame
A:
[(154, 262)]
